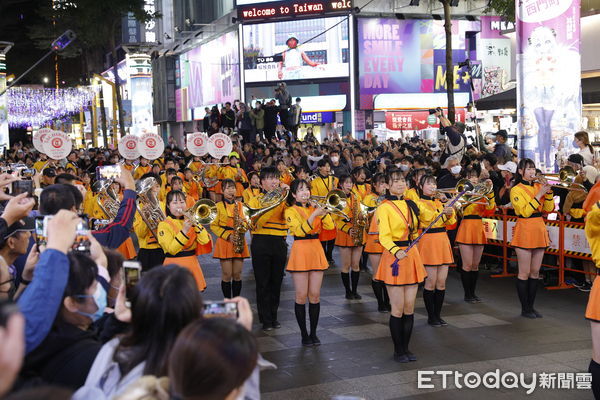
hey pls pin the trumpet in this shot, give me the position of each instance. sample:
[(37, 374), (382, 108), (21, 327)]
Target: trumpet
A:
[(203, 212), (334, 202), (565, 179), (473, 194)]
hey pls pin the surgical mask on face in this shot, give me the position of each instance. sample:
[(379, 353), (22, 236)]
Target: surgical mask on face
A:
[(99, 297), (335, 159), (403, 167), (456, 169), (575, 144)]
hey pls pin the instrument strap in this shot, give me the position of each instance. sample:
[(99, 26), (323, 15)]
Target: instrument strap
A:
[(406, 220), (192, 237), (303, 214)]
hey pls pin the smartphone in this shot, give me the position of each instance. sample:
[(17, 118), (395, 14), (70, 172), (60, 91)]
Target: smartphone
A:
[(82, 242), (41, 236), (7, 309), (97, 224), (19, 187), (108, 172), (132, 272), (220, 309)]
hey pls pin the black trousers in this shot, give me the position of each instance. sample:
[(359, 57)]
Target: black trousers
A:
[(150, 258), (269, 255)]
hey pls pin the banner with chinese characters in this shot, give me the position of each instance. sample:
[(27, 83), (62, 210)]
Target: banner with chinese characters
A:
[(493, 50), (415, 120), (548, 79)]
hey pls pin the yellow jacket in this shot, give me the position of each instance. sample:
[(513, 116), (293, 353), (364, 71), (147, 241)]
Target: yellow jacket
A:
[(361, 190), (222, 225), (478, 209), (429, 210), (229, 172), (592, 232), (340, 222), (272, 222), (145, 238), (321, 186), (411, 194), (196, 166), (522, 198), (38, 165), (249, 193), (141, 171), (174, 241), (394, 227), (298, 224)]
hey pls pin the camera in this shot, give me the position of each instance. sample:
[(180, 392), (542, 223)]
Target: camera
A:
[(220, 309), (82, 242)]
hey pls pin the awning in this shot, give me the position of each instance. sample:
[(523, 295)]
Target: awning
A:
[(590, 90)]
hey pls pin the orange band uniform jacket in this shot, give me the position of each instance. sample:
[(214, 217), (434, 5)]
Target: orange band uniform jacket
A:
[(272, 222), (222, 227), (238, 175), (434, 246), (249, 193), (320, 187)]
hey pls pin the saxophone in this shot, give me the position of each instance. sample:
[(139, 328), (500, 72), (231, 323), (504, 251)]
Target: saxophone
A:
[(240, 227), (358, 219)]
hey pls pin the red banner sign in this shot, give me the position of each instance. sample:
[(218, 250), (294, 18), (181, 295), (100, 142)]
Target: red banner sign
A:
[(414, 120)]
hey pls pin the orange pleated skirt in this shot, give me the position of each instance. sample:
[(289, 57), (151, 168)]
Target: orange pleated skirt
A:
[(530, 233), (410, 270), (342, 239), (435, 249), (307, 255), (372, 245), (204, 248), (224, 250), (127, 249), (327, 234), (471, 232), (191, 264), (592, 311)]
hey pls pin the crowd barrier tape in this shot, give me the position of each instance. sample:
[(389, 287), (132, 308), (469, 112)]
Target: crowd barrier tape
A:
[(567, 240)]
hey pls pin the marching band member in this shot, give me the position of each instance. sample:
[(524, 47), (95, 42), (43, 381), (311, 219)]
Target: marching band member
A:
[(128, 165), (413, 179), (224, 227), (284, 174), (212, 175), (399, 270), (471, 239), (592, 312), (166, 183), (307, 259), (350, 253), (360, 188), (301, 172), (253, 189), (434, 248), (196, 165), (269, 252), (530, 237), (151, 253), (322, 184), (177, 184), (190, 186), (234, 172), (373, 247), (41, 163), (180, 238), (142, 169)]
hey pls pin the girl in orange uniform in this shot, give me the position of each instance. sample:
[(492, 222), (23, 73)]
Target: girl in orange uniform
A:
[(254, 189), (372, 247), (307, 259), (180, 238), (530, 237), (471, 239), (234, 172), (223, 227), (434, 248), (399, 270), (592, 312), (350, 253), (322, 184)]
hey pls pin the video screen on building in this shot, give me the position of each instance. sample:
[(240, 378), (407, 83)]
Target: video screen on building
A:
[(298, 49)]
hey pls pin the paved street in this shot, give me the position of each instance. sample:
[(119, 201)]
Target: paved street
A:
[(355, 357)]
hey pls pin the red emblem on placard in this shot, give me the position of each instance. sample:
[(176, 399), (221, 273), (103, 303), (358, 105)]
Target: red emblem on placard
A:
[(57, 142), (130, 144), (151, 143), (220, 143), (198, 141)]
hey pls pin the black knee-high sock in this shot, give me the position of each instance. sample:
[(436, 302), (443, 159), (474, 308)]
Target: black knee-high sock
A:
[(236, 288), (594, 369), (523, 296), (407, 327), (329, 252), (346, 281), (439, 301), (474, 276), (429, 303), (226, 288), (532, 286), (396, 332), (313, 315), (465, 277), (354, 275), (386, 296), (300, 311), (377, 290)]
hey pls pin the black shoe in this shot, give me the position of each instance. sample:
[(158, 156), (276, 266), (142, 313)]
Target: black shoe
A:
[(267, 327), (349, 296), (388, 306), (477, 299), (537, 314), (276, 325), (307, 341), (356, 296), (434, 322), (315, 340), (470, 300), (401, 358), (382, 308), (528, 314), (411, 356), (442, 322)]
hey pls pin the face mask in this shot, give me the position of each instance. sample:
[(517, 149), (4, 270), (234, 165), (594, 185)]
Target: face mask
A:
[(403, 167), (335, 159), (575, 144), (100, 300), (456, 169)]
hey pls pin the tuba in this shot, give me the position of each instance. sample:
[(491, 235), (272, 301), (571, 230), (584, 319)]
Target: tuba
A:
[(107, 199), (203, 212), (148, 205)]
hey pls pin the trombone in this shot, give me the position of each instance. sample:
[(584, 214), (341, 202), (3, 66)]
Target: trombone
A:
[(203, 212), (565, 179), (472, 194)]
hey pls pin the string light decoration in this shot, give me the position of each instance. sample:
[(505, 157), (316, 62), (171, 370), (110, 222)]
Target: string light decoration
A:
[(35, 107)]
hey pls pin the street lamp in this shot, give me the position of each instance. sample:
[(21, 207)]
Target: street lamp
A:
[(45, 79)]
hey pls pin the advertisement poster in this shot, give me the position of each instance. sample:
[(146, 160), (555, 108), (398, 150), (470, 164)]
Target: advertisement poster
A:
[(408, 56), (548, 79), (493, 50), (289, 50), (141, 105), (415, 120), (212, 72)]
